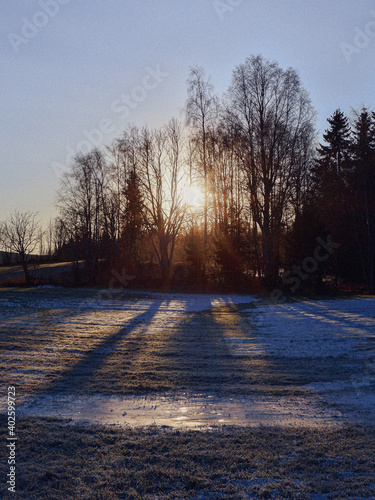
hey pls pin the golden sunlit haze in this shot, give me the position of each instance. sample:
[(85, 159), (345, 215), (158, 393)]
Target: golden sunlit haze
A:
[(193, 196)]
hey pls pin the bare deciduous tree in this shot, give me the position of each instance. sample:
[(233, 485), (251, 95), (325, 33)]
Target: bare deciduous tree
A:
[(275, 118), (81, 202), (201, 112), (164, 211), (20, 233)]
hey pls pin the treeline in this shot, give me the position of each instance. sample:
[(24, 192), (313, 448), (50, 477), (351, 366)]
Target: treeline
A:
[(341, 201), (268, 192)]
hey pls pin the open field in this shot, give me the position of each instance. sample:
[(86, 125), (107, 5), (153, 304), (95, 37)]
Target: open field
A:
[(55, 272), (204, 371)]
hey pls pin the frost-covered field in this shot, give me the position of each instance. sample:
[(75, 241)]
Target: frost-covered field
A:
[(187, 360), (333, 333), (207, 370), (318, 328)]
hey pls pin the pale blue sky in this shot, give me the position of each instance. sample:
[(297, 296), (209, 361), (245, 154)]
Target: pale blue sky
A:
[(84, 57)]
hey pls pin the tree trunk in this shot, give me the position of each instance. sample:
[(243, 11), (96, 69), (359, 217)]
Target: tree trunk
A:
[(25, 269), (165, 263), (267, 256)]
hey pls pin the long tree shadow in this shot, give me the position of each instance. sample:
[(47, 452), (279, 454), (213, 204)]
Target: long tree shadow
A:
[(78, 378), (218, 352), (26, 323), (332, 350), (28, 320), (201, 354), (345, 320)]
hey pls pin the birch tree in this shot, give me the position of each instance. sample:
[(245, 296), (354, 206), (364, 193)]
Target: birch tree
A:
[(275, 119), (201, 112)]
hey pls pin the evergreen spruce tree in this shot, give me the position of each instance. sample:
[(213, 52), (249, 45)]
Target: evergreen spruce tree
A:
[(362, 193), (330, 179), (133, 220)]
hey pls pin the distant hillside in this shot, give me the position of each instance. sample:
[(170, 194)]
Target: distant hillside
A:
[(8, 258)]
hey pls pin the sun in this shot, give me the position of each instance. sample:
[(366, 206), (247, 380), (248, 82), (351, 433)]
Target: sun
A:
[(194, 196)]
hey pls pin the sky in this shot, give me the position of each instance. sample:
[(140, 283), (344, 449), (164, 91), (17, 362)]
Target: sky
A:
[(76, 73)]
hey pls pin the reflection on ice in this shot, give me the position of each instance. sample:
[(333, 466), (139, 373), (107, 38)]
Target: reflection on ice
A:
[(197, 412)]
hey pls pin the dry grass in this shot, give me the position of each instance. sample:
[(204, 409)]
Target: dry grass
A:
[(61, 462)]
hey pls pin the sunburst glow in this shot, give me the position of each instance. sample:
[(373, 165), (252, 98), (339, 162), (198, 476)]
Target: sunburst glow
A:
[(194, 196)]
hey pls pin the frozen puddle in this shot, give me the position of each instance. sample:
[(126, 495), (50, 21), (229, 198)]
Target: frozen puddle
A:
[(184, 412)]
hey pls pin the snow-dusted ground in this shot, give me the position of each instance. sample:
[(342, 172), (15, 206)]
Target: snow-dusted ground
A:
[(124, 300), (317, 328), (326, 329), (324, 333)]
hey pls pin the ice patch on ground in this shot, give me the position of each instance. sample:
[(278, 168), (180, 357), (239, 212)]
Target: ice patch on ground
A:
[(182, 410)]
